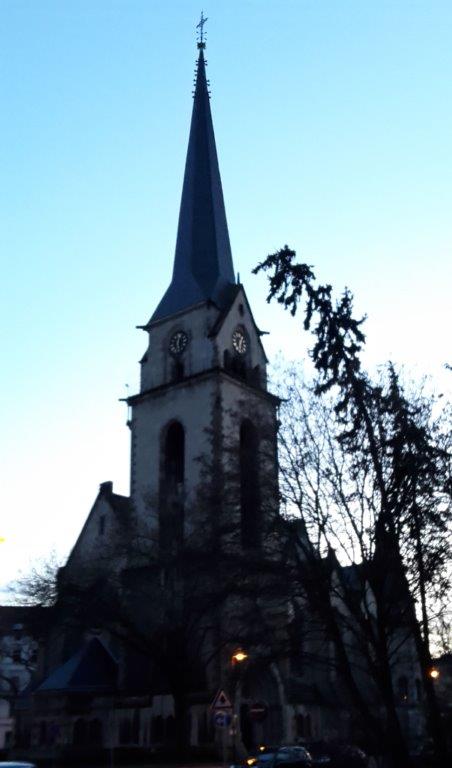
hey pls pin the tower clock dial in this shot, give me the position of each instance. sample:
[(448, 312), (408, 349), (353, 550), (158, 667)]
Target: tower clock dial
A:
[(178, 342), (239, 341)]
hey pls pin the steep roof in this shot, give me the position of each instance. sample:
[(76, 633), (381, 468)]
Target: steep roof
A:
[(203, 268), (91, 669)]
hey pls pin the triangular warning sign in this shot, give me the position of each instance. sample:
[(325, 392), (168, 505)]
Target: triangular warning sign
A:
[(221, 701)]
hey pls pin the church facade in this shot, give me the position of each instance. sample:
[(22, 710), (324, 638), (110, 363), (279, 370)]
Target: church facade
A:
[(163, 587), (202, 482)]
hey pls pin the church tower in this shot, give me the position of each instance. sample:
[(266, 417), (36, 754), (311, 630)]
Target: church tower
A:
[(203, 390)]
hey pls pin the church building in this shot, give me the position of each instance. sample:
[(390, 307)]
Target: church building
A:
[(164, 588), (203, 481)]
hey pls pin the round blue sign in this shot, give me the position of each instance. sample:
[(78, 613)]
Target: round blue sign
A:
[(222, 719)]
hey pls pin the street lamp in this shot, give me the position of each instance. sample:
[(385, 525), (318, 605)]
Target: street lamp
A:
[(238, 657), (433, 673)]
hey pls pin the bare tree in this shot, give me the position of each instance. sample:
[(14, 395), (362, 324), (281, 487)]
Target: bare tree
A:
[(388, 482), (38, 586)]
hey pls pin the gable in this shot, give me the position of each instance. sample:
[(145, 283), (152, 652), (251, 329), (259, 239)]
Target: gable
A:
[(100, 538), (239, 316)]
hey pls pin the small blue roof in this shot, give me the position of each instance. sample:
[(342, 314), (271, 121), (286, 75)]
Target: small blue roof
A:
[(203, 267), (92, 668)]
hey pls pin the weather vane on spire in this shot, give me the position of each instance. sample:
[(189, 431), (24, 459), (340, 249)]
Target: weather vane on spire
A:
[(200, 26)]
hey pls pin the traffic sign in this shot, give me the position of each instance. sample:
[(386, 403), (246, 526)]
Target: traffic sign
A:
[(221, 719), (221, 701), (258, 711)]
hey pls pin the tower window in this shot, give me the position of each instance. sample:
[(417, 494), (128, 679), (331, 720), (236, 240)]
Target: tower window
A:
[(177, 370), (101, 529), (174, 455), (171, 491), (249, 485), (256, 376)]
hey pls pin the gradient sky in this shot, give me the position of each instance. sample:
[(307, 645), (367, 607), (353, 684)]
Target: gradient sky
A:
[(333, 121)]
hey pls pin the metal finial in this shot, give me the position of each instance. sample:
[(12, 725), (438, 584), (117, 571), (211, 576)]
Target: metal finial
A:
[(200, 26)]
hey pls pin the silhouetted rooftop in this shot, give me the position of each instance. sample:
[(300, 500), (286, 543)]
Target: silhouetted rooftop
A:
[(92, 668)]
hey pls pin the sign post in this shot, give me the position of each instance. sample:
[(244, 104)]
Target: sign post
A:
[(222, 716)]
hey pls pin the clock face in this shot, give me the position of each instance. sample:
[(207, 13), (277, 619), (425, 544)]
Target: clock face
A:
[(239, 341), (178, 342)]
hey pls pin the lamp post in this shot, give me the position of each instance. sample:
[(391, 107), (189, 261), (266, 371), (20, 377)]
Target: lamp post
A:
[(237, 658)]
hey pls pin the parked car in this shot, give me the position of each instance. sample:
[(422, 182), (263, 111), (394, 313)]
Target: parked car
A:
[(17, 765), (326, 755), (286, 757), (321, 755)]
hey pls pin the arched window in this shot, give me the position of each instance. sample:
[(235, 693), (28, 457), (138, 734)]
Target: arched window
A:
[(174, 455), (171, 487), (170, 729), (95, 732), (42, 733), (80, 732), (157, 729), (249, 485), (125, 731)]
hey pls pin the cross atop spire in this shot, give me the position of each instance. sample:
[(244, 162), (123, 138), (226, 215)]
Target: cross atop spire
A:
[(200, 26), (203, 269)]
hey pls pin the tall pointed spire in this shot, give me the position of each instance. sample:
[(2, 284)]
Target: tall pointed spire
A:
[(203, 266)]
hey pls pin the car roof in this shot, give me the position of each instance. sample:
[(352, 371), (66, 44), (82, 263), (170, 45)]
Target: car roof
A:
[(17, 764)]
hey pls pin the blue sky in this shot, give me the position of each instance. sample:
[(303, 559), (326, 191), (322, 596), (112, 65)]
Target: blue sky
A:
[(333, 122)]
